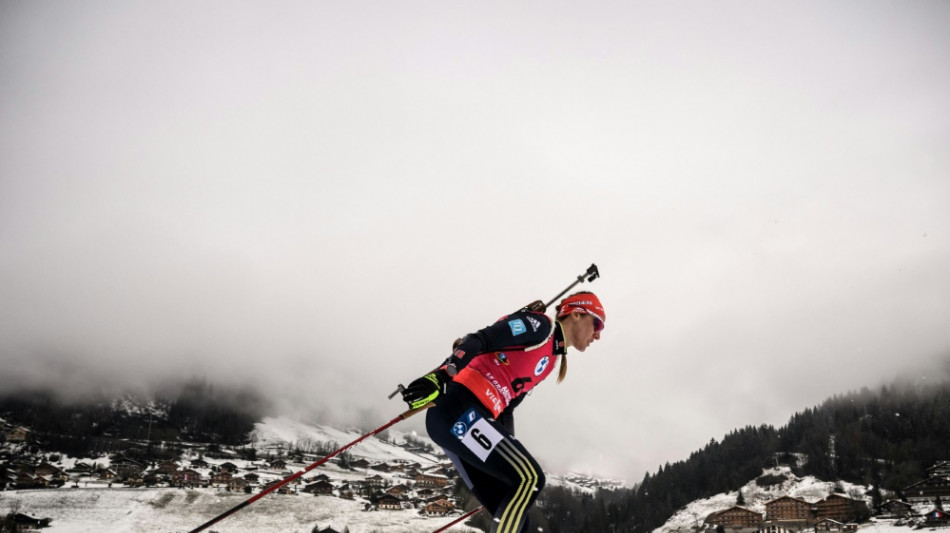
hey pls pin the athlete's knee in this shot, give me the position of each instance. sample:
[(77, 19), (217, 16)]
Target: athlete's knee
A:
[(539, 484)]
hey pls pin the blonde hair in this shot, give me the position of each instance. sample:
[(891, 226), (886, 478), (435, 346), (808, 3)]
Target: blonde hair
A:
[(562, 368)]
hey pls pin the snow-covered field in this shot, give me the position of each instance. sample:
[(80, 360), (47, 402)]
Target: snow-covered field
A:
[(95, 507)]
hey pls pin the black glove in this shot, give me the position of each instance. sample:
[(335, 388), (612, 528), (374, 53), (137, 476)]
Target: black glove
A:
[(426, 388)]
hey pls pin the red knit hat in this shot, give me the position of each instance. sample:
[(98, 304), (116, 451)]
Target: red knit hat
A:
[(584, 302)]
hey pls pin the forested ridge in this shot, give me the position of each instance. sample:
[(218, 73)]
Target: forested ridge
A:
[(885, 439), (196, 411)]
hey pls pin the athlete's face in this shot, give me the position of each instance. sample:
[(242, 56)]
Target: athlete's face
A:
[(581, 331)]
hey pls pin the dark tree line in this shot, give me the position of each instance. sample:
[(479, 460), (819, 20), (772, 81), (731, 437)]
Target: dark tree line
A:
[(887, 439), (198, 412)]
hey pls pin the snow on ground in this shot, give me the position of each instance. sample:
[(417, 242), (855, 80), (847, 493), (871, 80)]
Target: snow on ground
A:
[(95, 507), (175, 510)]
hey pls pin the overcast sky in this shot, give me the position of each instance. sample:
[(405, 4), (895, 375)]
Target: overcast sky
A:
[(318, 197)]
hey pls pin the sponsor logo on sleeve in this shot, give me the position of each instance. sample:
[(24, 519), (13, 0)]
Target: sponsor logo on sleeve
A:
[(517, 327), (535, 323)]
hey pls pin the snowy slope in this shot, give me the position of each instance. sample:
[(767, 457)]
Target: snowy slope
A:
[(278, 431), (95, 507), (175, 511)]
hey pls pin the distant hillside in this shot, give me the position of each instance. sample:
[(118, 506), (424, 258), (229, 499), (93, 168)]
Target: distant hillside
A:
[(885, 440), (194, 412)]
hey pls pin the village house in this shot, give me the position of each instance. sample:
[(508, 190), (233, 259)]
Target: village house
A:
[(186, 478), (359, 463), (841, 508), (928, 490), (319, 488), (787, 510), (428, 479), (828, 525), (895, 509), (941, 469), (229, 467), (398, 491), (252, 477), (18, 434), (221, 478), (937, 518), (376, 481), (80, 468), (125, 467), (438, 508), (106, 474), (237, 484), (382, 467), (278, 464), (53, 472), (735, 517), (199, 463), (388, 503), (166, 468)]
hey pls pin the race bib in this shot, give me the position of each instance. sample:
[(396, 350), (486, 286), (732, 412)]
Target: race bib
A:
[(477, 434)]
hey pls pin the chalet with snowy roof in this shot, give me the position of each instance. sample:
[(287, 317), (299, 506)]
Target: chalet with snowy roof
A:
[(238, 484), (941, 469), (735, 517), (166, 468), (321, 477), (53, 472), (252, 477), (360, 463), (278, 464), (439, 508), (828, 525), (430, 479), (18, 434), (200, 463), (222, 478), (388, 503), (937, 517), (382, 467), (319, 488), (928, 490), (895, 509), (284, 489), (398, 491), (186, 478), (376, 481), (788, 510), (841, 508), (228, 467), (80, 468), (125, 467), (106, 474)]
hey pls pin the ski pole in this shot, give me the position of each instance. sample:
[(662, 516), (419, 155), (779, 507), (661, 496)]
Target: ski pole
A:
[(459, 519), (292, 477), (591, 274)]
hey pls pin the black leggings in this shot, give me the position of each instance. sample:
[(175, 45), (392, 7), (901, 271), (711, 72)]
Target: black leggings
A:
[(496, 467)]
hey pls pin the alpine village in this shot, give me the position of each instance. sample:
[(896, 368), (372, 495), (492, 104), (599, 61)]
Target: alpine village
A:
[(878, 457)]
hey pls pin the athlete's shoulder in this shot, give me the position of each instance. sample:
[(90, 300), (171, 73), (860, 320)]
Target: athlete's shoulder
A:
[(528, 323)]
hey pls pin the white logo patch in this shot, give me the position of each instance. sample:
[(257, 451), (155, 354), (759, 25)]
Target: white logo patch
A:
[(535, 323)]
